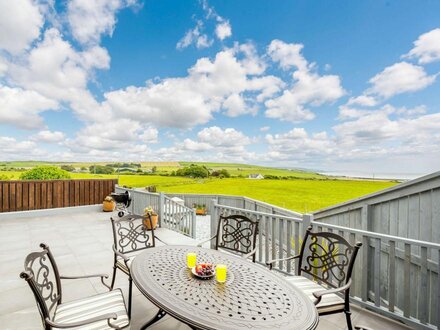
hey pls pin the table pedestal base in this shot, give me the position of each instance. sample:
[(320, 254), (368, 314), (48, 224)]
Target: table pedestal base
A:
[(160, 314)]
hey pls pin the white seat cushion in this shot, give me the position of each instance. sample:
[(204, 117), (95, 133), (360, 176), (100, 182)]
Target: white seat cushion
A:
[(328, 303), (94, 306)]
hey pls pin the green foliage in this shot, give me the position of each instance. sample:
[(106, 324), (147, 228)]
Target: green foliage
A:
[(98, 169), (68, 168), (45, 173), (154, 169), (4, 177), (193, 171), (223, 173)]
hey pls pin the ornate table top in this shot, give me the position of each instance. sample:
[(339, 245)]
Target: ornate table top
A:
[(252, 296)]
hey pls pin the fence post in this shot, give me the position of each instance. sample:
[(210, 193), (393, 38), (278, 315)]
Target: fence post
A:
[(161, 207), (214, 219)]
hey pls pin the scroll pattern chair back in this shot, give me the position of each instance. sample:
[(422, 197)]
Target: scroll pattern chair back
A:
[(237, 233), (328, 257), (130, 233), (41, 273)]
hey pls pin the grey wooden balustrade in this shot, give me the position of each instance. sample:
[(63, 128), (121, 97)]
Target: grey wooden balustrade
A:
[(394, 276), (172, 215)]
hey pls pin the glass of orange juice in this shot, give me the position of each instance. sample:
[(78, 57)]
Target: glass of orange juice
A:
[(220, 273), (191, 260)]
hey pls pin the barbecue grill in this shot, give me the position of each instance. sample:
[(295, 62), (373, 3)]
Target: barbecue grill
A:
[(123, 201)]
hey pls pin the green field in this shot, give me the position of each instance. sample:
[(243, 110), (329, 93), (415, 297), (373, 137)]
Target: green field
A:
[(302, 195)]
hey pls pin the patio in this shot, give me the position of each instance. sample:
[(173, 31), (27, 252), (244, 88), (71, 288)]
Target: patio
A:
[(81, 239)]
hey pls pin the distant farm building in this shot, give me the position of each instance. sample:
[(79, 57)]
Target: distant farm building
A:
[(256, 176)]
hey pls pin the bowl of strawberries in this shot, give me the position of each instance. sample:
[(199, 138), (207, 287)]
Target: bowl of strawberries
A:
[(203, 271)]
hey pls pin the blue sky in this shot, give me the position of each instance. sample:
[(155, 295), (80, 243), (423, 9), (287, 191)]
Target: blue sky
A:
[(348, 85)]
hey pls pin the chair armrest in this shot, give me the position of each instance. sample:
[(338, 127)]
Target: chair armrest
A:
[(206, 240), (106, 317), (245, 256), (102, 276), (271, 262), (318, 294), (119, 254)]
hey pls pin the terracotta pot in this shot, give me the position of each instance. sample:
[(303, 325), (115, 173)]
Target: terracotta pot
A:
[(108, 206), (201, 211), (154, 219)]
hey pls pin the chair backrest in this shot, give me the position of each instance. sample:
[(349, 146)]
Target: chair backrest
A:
[(130, 233), (41, 273), (237, 233), (328, 257)]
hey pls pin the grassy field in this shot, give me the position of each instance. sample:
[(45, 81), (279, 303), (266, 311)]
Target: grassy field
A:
[(298, 194)]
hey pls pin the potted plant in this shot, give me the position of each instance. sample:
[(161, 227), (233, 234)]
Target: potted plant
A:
[(201, 209), (154, 218), (108, 205)]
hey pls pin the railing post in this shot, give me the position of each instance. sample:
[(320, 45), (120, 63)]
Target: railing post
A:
[(365, 217), (193, 224), (214, 219), (161, 208)]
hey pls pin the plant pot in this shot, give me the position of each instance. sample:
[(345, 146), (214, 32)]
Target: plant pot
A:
[(154, 219), (201, 211), (108, 206)]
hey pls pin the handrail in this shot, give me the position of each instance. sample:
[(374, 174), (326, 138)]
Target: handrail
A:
[(258, 212)]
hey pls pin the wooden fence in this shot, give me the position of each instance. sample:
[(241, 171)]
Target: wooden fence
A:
[(46, 194)]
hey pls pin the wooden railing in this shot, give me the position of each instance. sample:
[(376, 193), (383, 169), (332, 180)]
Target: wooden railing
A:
[(234, 201), (394, 276), (46, 194), (172, 215)]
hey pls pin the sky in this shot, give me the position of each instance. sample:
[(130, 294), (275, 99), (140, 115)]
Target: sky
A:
[(334, 86)]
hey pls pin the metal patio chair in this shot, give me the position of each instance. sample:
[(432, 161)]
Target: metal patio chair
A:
[(328, 259), (236, 233), (130, 236), (101, 311)]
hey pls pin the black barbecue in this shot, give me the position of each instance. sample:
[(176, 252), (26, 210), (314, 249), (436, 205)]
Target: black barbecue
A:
[(123, 201)]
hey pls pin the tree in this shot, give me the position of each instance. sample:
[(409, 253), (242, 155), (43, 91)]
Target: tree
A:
[(154, 169), (193, 171), (98, 169), (45, 173), (68, 168), (223, 173)]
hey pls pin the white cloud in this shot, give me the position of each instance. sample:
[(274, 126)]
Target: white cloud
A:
[(426, 47), (20, 24), (195, 36), (399, 78), (48, 136), (235, 106), (309, 88), (89, 20), (13, 149), (55, 70), (264, 128), (223, 30), (21, 108), (189, 101), (363, 100), (287, 55), (149, 135), (212, 143)]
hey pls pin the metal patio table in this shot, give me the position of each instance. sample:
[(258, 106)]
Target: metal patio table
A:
[(252, 296)]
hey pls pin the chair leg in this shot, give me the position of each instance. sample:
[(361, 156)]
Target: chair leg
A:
[(113, 278), (348, 317), (130, 293)]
